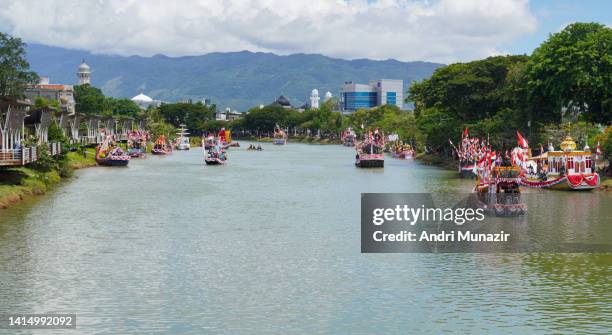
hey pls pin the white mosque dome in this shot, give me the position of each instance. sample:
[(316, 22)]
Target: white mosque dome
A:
[(315, 92), (84, 67), (328, 95), (142, 98)]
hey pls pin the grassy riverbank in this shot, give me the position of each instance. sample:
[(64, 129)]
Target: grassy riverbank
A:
[(22, 182), (435, 160), (18, 183)]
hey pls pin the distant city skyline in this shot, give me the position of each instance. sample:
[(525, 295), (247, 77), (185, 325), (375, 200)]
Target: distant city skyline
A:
[(440, 31)]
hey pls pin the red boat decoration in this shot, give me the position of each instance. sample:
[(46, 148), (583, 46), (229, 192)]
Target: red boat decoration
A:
[(370, 151), (161, 147), (565, 169)]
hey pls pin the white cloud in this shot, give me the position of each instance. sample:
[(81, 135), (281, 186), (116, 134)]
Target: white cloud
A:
[(444, 30)]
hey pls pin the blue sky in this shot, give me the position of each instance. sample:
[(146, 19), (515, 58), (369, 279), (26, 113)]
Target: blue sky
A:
[(443, 31), (553, 15)]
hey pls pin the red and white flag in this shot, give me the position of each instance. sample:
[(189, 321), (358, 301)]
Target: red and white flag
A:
[(465, 132), (597, 151), (522, 142)]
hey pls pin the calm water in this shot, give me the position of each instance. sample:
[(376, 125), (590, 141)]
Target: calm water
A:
[(270, 243)]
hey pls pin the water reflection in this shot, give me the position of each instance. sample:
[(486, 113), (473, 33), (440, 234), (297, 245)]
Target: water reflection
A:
[(270, 243)]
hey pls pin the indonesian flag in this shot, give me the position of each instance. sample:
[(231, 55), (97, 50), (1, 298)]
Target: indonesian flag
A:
[(522, 142), (481, 161), (465, 132), (597, 151)]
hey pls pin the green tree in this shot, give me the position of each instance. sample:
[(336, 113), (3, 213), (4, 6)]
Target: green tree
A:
[(15, 72), (123, 107), (573, 68), (194, 116), (90, 100)]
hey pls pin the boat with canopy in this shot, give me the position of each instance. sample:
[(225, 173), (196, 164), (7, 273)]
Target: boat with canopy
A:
[(215, 155), (565, 169), (280, 137), (161, 147), (498, 190), (108, 154), (370, 151), (137, 143), (348, 138)]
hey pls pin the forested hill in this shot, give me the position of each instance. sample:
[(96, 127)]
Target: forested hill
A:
[(237, 79)]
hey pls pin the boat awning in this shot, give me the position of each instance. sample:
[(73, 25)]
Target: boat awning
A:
[(540, 157)]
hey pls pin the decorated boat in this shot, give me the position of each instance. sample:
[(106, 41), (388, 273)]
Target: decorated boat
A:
[(402, 151), (161, 147), (215, 155), (137, 143), (565, 169), (108, 154), (280, 137), (208, 142), (182, 140), (370, 151), (348, 138), (498, 190), (468, 153)]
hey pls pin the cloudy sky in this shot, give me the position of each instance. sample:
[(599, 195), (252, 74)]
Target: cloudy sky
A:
[(433, 30)]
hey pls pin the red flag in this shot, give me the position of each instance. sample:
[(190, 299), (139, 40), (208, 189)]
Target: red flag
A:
[(465, 132), (522, 142)]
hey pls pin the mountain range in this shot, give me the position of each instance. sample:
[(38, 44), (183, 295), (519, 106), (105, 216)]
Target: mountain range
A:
[(239, 80)]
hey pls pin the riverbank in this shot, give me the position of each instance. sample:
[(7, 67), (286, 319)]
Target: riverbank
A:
[(19, 183), (435, 160)]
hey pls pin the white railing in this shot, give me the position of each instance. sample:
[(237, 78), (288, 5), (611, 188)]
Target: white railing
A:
[(26, 155)]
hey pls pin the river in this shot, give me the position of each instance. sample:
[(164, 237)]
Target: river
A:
[(270, 243)]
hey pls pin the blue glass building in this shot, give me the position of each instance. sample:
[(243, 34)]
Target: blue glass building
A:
[(376, 93)]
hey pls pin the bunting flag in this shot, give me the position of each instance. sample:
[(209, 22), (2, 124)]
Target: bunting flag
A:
[(522, 142)]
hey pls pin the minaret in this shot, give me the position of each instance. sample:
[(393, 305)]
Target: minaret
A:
[(328, 95), (84, 74), (314, 99)]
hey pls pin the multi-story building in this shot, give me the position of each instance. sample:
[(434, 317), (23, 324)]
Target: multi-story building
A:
[(64, 94), (377, 93)]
